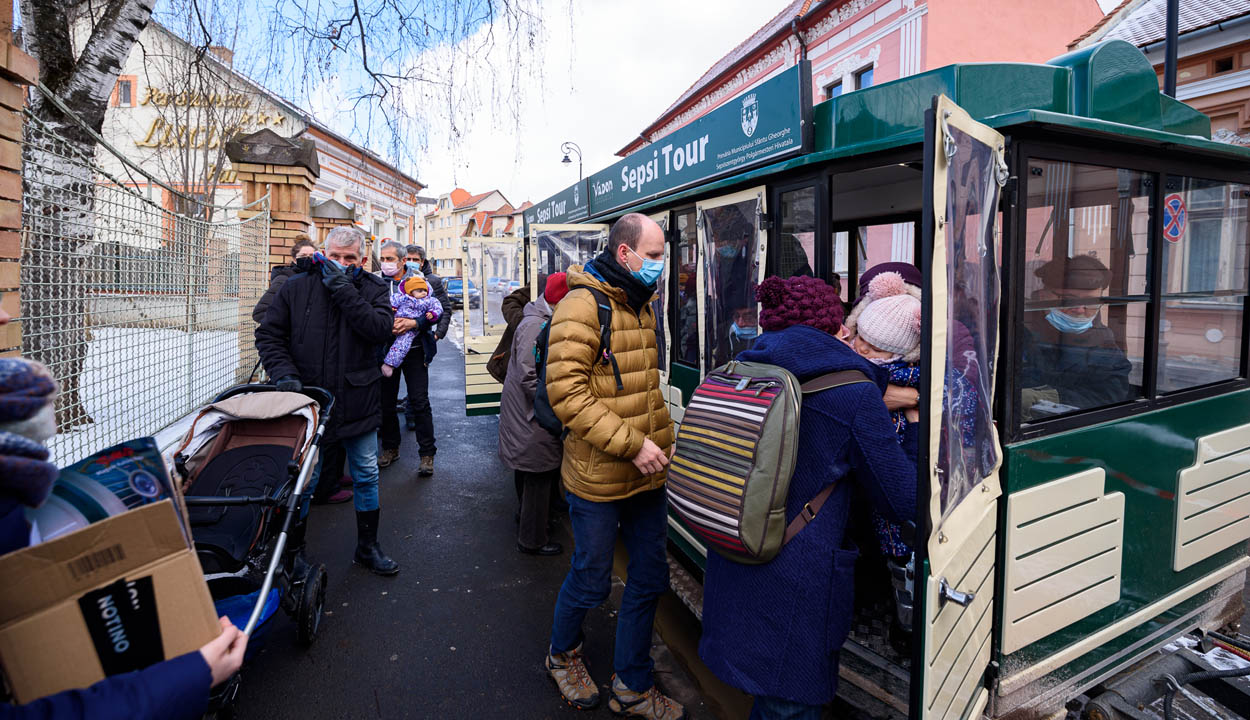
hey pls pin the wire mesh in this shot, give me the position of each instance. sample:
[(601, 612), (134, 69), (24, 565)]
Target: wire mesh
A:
[(137, 299)]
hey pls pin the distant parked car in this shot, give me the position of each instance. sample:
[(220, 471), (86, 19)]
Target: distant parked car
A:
[(455, 289), (502, 285), (513, 286), (492, 283)]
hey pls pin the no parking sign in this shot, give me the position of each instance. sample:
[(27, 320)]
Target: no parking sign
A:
[(1175, 217)]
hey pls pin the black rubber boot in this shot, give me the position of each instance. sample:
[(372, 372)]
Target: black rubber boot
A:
[(368, 552)]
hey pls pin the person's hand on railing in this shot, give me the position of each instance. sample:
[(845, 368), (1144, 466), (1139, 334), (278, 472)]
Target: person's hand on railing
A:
[(290, 383)]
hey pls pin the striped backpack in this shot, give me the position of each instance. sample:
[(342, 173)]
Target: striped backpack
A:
[(736, 450)]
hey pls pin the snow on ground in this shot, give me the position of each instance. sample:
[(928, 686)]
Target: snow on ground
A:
[(138, 380)]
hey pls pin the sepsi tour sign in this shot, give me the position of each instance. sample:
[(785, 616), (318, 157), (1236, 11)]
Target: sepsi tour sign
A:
[(765, 123), (570, 205)]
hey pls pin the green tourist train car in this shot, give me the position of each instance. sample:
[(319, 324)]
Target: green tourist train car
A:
[(1072, 523)]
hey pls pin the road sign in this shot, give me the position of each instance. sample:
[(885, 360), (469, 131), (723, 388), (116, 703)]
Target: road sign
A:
[(1175, 217)]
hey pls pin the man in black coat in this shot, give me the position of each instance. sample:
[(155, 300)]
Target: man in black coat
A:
[(324, 329), (420, 415)]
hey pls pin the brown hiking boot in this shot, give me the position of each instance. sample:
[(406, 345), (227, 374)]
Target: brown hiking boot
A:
[(651, 704), (427, 466), (387, 457), (569, 672)]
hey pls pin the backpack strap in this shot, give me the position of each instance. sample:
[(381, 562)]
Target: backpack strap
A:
[(808, 513), (833, 380), (824, 382), (604, 306)]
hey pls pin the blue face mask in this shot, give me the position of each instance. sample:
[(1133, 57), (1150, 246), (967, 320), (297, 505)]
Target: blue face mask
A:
[(744, 333), (650, 271), (727, 251), (413, 266), (1065, 323)]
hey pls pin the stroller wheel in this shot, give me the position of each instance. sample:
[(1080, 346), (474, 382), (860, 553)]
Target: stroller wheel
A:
[(311, 603)]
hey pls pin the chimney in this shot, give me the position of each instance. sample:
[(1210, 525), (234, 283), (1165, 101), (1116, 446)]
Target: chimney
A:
[(224, 54)]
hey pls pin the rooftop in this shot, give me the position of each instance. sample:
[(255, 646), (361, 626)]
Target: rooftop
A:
[(1146, 23)]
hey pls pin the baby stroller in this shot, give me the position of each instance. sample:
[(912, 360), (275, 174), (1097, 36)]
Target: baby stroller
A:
[(244, 464)]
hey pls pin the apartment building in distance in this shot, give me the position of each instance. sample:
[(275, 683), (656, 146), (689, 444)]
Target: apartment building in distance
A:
[(455, 216)]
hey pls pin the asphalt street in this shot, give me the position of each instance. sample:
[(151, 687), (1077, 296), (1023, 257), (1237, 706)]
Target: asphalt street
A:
[(460, 632)]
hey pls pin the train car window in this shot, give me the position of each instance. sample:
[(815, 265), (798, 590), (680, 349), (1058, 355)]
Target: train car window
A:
[(558, 249), (1083, 341), (732, 261), (794, 249), (1206, 234), (686, 335), (658, 305)]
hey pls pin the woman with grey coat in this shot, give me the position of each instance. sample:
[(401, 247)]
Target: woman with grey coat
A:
[(525, 446)]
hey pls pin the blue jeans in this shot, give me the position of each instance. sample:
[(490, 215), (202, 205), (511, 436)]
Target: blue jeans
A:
[(643, 521), (362, 463), (770, 708)]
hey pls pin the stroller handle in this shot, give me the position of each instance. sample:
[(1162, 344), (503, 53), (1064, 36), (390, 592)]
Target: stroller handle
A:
[(323, 397)]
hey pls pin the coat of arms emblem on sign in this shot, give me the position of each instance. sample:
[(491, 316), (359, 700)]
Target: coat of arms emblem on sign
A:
[(750, 114)]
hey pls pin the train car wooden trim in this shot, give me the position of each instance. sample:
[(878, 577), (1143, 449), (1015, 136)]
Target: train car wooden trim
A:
[(1213, 498), (1014, 682), (1064, 550)]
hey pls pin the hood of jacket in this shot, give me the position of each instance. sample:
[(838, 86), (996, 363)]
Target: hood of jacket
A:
[(808, 353), (286, 271), (539, 308)]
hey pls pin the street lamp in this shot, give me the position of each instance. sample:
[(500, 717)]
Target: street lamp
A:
[(567, 148)]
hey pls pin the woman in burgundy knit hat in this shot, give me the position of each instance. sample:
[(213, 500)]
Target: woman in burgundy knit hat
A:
[(770, 630)]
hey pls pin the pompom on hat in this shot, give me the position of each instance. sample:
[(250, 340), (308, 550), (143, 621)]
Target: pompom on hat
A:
[(799, 300), (890, 317), (557, 287), (416, 282)]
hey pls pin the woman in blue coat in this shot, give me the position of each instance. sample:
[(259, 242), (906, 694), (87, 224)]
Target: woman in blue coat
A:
[(774, 630)]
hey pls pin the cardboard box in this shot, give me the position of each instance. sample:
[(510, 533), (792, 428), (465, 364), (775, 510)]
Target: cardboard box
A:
[(115, 596)]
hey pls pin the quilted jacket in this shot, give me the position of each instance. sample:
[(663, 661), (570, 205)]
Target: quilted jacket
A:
[(606, 425)]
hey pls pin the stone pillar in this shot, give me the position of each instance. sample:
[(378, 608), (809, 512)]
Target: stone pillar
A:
[(16, 69), (329, 215), (286, 169)]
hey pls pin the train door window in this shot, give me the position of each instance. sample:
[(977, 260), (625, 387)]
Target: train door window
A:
[(730, 242), (869, 245), (1206, 235), (659, 305), (1082, 344), (686, 330), (794, 243), (875, 214)]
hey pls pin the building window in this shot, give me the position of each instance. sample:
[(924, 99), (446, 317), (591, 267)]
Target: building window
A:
[(1223, 64), (834, 90), (124, 92), (863, 78)]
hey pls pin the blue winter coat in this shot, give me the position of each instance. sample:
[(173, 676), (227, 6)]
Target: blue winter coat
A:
[(775, 629)]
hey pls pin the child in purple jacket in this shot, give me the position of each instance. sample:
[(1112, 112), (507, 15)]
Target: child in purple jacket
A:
[(414, 302)]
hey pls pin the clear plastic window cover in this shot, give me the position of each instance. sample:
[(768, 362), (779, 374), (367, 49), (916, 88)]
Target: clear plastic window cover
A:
[(968, 450), (731, 265), (558, 249), (503, 262)]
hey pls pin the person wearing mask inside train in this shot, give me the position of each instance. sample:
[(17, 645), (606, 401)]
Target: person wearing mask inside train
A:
[(1069, 359)]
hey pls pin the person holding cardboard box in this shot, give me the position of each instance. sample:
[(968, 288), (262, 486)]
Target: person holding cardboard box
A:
[(176, 688)]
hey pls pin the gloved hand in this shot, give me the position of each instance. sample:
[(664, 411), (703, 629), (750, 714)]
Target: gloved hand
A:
[(332, 277), (290, 383)]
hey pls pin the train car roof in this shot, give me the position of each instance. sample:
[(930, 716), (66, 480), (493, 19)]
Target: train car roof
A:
[(1108, 90)]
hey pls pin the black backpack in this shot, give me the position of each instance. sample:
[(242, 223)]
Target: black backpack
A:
[(543, 413)]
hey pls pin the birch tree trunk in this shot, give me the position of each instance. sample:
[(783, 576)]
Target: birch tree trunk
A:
[(59, 182)]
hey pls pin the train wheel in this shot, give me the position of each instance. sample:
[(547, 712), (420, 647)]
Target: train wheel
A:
[(311, 604)]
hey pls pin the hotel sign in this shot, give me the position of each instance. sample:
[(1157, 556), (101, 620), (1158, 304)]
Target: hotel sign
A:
[(763, 124)]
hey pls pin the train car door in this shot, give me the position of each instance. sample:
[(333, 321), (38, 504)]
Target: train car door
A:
[(961, 454), (731, 251), (663, 333), (493, 267)]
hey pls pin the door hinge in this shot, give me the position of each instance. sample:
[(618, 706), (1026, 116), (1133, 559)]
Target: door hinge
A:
[(766, 223)]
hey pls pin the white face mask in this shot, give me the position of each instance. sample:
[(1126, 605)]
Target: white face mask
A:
[(885, 360), (390, 268)]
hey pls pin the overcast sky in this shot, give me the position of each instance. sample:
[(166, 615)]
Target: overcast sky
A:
[(625, 66), (622, 65)]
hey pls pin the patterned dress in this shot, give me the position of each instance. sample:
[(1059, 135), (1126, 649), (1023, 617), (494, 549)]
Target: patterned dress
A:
[(412, 308)]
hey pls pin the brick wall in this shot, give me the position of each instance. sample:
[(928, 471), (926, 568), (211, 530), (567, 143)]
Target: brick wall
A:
[(16, 70)]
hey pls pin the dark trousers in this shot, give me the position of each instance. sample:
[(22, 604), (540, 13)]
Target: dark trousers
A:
[(534, 491), (333, 458), (417, 377)]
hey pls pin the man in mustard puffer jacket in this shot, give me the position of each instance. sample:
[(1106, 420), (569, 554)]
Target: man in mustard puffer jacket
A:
[(619, 441)]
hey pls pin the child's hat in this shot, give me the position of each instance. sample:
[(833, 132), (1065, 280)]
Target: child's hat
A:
[(557, 287), (890, 320), (416, 282)]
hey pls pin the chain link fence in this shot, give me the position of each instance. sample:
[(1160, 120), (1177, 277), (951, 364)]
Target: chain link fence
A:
[(141, 312)]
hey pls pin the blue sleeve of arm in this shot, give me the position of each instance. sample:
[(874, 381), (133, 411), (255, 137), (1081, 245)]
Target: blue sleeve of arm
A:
[(175, 689), (885, 469)]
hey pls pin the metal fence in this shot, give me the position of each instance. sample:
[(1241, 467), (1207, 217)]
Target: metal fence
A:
[(140, 312)]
